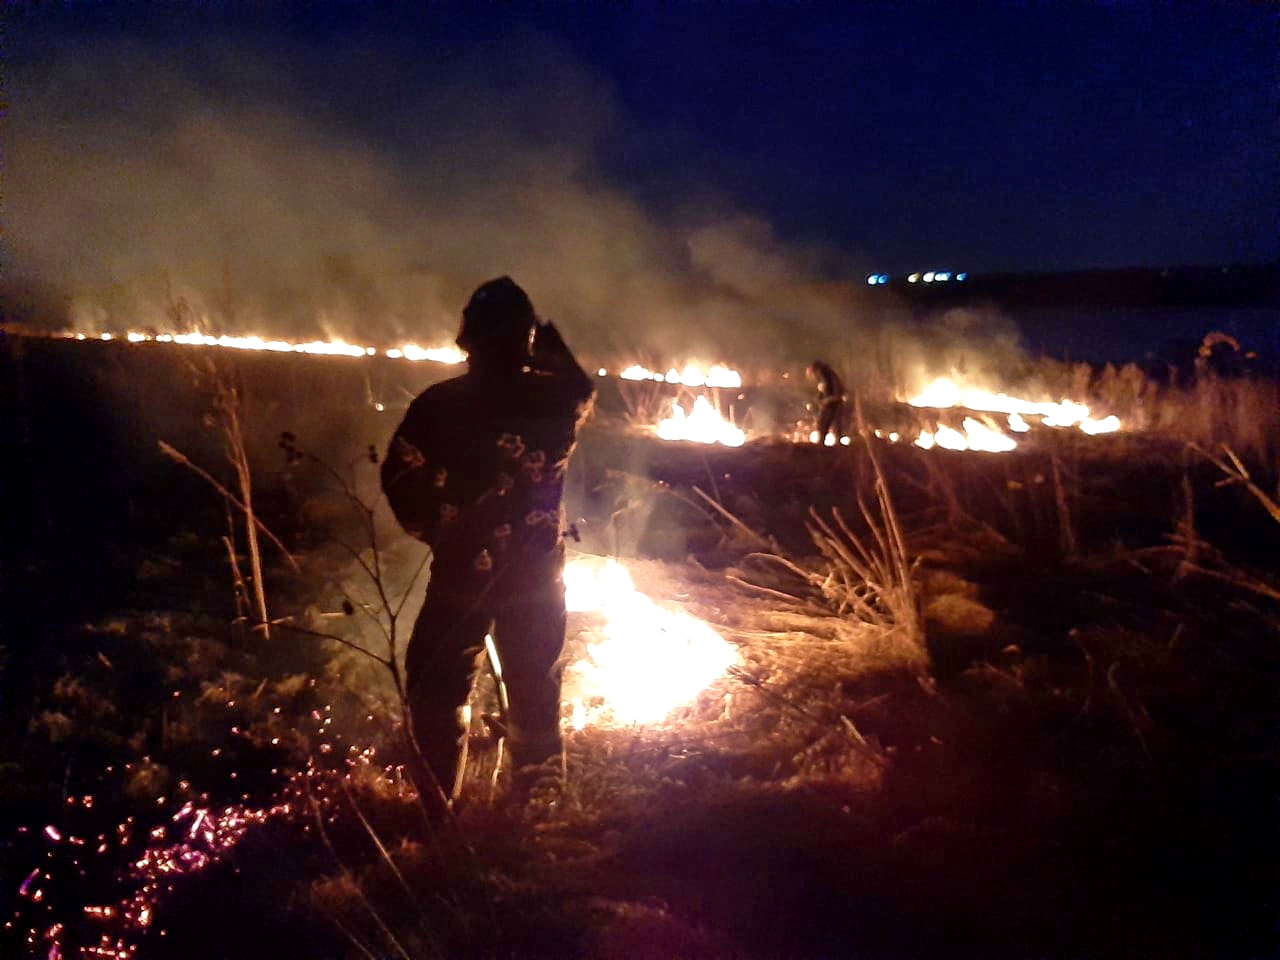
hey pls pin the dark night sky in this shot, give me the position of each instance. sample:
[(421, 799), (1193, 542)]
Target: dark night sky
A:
[(1029, 136), (824, 139)]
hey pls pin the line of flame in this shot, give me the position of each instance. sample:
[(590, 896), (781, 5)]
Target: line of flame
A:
[(943, 393), (716, 376), (692, 375)]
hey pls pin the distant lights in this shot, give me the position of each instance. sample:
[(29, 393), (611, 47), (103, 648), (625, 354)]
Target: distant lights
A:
[(935, 276), (877, 279)]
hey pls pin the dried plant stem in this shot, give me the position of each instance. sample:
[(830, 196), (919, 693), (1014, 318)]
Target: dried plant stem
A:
[(869, 576), (233, 436), (231, 498), (776, 594), (1244, 583), (1237, 473), (381, 847), (237, 581), (731, 518), (355, 940), (320, 635), (1066, 528)]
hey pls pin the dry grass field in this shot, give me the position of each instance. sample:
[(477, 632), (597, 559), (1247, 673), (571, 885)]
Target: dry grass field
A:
[(1001, 705)]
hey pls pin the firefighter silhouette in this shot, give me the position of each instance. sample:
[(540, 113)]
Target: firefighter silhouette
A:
[(829, 406), (1221, 355), (477, 470)]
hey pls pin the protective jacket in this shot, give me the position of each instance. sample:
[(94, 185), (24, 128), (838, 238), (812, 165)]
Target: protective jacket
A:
[(830, 386), (477, 469)]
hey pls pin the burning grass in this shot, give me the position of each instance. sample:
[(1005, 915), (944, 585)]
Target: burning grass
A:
[(1004, 714)]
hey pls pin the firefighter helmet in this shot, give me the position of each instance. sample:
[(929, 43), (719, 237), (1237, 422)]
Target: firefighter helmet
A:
[(499, 312)]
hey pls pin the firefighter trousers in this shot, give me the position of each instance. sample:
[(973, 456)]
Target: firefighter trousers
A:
[(528, 627)]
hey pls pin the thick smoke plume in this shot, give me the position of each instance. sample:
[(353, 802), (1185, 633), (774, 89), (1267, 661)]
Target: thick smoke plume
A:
[(220, 179)]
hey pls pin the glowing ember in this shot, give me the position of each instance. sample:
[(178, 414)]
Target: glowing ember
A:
[(25, 888), (691, 376), (943, 393), (704, 425), (829, 440), (649, 661)]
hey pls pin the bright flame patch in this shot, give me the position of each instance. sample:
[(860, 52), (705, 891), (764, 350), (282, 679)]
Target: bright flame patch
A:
[(648, 660), (976, 436), (703, 425), (691, 376)]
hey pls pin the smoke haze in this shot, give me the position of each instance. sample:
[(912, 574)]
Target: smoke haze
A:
[(220, 178)]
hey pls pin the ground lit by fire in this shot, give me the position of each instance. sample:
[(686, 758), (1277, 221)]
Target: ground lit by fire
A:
[(642, 661)]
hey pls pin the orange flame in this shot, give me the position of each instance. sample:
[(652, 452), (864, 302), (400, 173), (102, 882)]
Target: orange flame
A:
[(718, 375), (703, 424), (649, 660)]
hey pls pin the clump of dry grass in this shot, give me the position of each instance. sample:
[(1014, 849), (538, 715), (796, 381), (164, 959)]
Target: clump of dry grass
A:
[(870, 576), (872, 579), (1240, 413)]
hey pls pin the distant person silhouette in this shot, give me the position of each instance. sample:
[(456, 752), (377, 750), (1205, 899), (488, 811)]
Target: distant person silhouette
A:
[(1220, 355), (477, 471), (829, 407)]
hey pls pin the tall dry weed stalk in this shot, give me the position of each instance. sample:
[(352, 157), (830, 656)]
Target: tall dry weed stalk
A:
[(227, 417), (1235, 473), (870, 576), (1199, 557), (644, 401), (1205, 407)]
